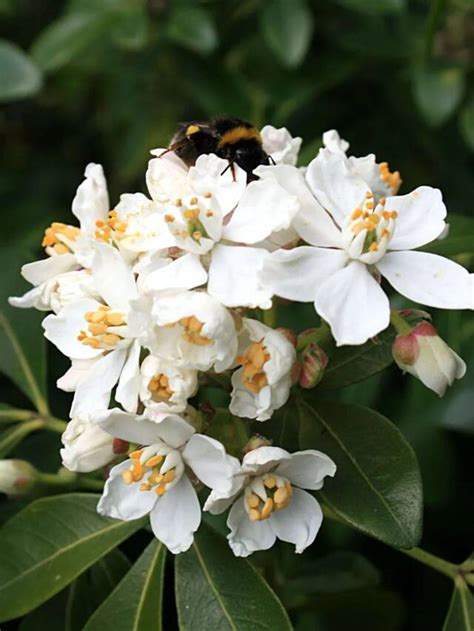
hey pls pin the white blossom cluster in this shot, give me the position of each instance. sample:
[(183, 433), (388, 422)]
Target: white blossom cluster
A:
[(149, 295)]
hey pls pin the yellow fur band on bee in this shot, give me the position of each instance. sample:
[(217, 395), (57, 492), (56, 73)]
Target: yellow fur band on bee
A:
[(239, 133)]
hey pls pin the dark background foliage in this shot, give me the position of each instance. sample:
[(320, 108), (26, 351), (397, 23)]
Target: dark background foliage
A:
[(108, 80)]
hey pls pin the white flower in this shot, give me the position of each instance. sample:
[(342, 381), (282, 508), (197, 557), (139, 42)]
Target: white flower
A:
[(191, 328), (381, 181), (426, 356), (268, 500), (353, 241), (17, 477), (97, 334), (165, 386), (155, 479), (280, 145), (263, 383), (68, 247), (86, 446)]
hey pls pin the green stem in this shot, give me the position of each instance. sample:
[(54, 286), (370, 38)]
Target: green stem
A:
[(270, 316), (399, 323), (440, 565), (54, 424), (69, 480), (90, 485), (436, 11), (14, 414)]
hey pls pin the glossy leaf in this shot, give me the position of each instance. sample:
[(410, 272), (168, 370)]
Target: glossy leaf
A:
[(351, 364), (216, 590), (459, 240), (438, 92), (193, 28), (460, 615), (377, 486), (287, 28), (57, 537), (136, 602), (19, 75)]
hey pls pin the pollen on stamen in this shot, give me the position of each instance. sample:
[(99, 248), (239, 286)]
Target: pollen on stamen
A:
[(369, 205), (357, 213), (169, 218), (373, 247)]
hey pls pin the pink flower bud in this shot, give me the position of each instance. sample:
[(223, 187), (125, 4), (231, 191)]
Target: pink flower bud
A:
[(313, 363), (289, 334), (17, 477), (120, 446), (426, 356)]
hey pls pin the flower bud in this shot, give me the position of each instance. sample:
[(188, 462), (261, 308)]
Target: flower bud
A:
[(87, 447), (313, 363), (17, 477), (120, 446), (289, 334), (256, 441), (426, 356)]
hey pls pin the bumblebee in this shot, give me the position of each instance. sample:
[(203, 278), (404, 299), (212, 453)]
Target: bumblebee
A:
[(233, 139)]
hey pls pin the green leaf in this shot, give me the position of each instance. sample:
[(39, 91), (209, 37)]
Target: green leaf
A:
[(193, 28), (287, 28), (459, 240), (92, 587), (229, 430), (438, 91), (460, 615), (13, 436), (20, 76), (67, 38), (216, 590), (48, 544), (22, 349), (374, 6), (351, 364), (136, 602), (70, 608), (131, 29), (466, 123), (377, 487)]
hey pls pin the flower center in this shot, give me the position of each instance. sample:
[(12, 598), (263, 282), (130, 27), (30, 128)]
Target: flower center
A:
[(266, 494), (367, 231), (253, 377), (391, 179), (162, 466), (192, 331), (190, 215), (102, 329), (114, 228), (160, 388), (59, 237)]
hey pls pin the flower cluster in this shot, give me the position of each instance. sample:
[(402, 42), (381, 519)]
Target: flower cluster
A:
[(170, 289)]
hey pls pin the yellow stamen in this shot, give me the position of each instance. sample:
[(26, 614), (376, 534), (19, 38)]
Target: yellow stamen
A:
[(127, 476)]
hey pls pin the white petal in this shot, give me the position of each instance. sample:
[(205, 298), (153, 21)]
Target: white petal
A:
[(247, 536), (166, 176), (91, 202), (211, 174), (62, 329), (217, 503), (132, 427), (32, 298), (421, 216), (174, 430), (307, 469), (354, 304), (209, 461), (429, 279), (438, 365), (124, 501), (297, 274), (265, 207), (299, 522), (113, 277), (335, 188), (75, 374), (312, 222), (129, 382), (40, 271), (176, 516), (263, 458), (185, 272), (233, 277), (93, 392)]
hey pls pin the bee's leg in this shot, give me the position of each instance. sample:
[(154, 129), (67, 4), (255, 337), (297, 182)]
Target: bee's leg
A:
[(271, 161), (174, 146), (230, 166)]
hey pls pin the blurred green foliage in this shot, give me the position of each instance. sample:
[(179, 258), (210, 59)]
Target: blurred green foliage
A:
[(107, 80)]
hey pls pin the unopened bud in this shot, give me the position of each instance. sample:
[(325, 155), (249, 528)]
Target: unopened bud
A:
[(17, 477), (289, 334), (255, 442), (426, 356), (120, 446), (87, 446), (313, 363)]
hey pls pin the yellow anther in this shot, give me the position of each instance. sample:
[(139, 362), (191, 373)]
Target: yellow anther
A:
[(111, 339), (267, 508), (369, 195), (373, 247), (194, 201), (385, 233), (281, 495), (207, 195), (145, 486), (209, 213), (169, 218), (369, 205), (115, 319), (382, 201), (127, 476), (178, 202), (153, 461), (136, 454), (368, 225), (91, 341), (254, 515), (160, 490), (253, 501), (97, 329), (197, 236), (169, 476), (192, 213), (374, 218), (252, 376), (99, 223), (356, 214), (155, 478), (60, 248)]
